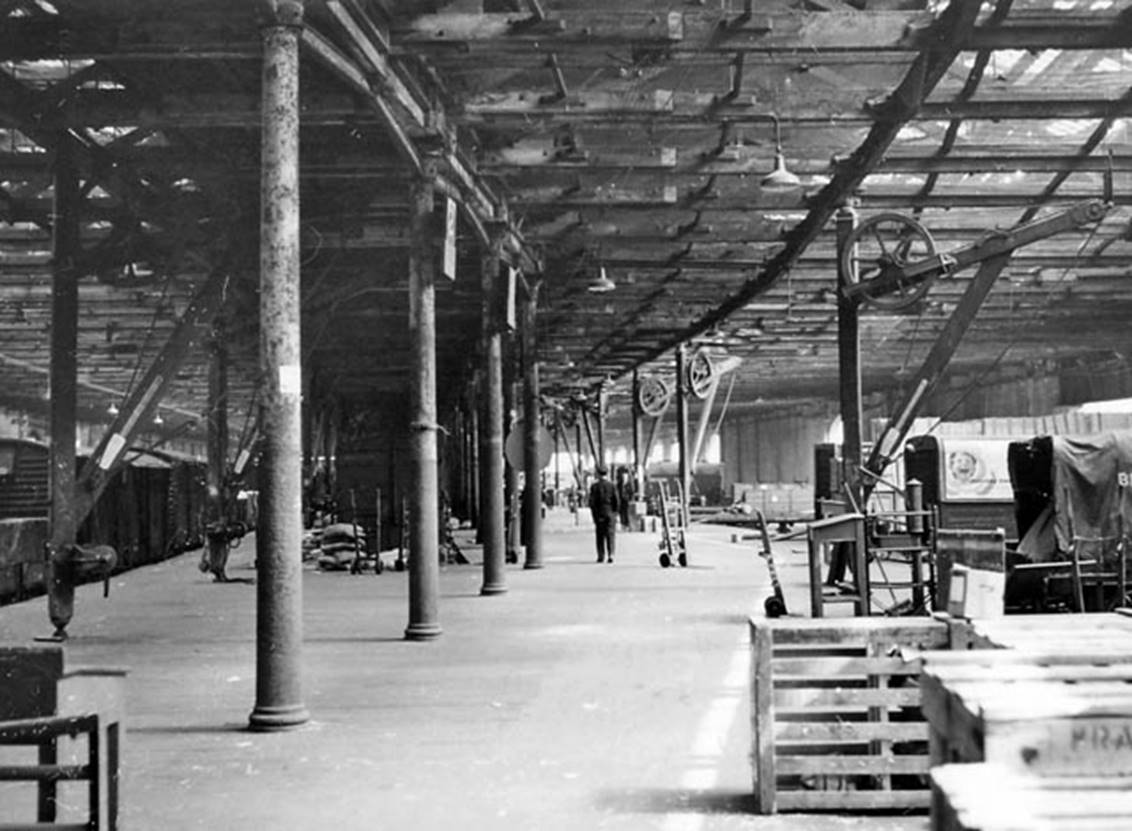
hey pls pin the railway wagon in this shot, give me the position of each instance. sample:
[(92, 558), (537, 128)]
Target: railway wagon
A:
[(153, 508)]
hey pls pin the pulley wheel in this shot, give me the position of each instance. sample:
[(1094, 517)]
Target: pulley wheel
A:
[(653, 395), (881, 244), (701, 374)]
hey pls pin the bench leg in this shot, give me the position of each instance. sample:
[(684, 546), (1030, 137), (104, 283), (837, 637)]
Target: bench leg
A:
[(48, 791)]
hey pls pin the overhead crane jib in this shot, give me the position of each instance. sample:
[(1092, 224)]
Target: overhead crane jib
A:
[(893, 270), (890, 266)]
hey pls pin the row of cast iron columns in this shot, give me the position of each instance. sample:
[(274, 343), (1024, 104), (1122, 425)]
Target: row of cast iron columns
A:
[(485, 479), (279, 694), (279, 628)]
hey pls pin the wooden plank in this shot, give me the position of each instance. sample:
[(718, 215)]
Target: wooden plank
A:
[(992, 798), (859, 631), (842, 29), (839, 697), (946, 661), (852, 800), (762, 718), (850, 731), (823, 667), (845, 765), (1008, 674), (691, 30)]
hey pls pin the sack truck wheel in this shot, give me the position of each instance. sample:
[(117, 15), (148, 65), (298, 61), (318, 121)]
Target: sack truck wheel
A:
[(682, 559), (774, 607), (665, 561)]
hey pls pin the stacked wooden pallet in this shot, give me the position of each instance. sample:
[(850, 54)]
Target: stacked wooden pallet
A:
[(1035, 735), (986, 797), (836, 713)]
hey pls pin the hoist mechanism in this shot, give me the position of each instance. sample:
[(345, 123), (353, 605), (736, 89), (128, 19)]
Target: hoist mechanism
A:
[(653, 395), (889, 261), (876, 257), (701, 374)]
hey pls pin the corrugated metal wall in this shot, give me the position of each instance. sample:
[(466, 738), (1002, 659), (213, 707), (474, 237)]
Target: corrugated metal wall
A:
[(779, 448), (772, 449)]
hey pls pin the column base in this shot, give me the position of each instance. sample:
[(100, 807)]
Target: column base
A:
[(423, 631), (532, 565), (493, 588), (270, 719)]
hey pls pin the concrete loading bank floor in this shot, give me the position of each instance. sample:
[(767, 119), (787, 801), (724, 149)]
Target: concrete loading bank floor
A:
[(587, 697)]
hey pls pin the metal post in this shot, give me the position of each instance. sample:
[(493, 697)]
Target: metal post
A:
[(63, 385), (531, 430), (849, 367), (557, 468), (473, 430), (279, 599), (682, 423), (215, 559), (638, 462), (581, 415), (601, 402), (511, 492), (424, 529), (491, 465)]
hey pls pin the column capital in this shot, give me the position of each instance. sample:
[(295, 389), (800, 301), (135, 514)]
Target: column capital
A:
[(282, 12)]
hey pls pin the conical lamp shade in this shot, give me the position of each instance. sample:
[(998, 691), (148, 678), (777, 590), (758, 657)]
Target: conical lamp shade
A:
[(602, 284), (780, 178)]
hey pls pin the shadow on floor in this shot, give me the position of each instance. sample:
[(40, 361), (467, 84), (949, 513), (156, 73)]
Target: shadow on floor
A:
[(660, 801), (184, 730)]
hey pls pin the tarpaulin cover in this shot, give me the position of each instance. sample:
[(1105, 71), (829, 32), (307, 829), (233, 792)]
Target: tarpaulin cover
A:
[(1092, 497)]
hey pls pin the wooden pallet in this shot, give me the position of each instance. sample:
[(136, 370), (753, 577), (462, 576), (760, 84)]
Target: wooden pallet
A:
[(987, 797), (1045, 633), (1049, 714), (836, 716)]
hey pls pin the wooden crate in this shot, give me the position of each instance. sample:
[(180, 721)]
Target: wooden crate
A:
[(1050, 714), (835, 712), (1048, 633), (987, 797)]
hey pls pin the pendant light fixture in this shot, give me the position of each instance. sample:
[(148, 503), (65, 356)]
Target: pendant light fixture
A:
[(780, 178), (601, 284)]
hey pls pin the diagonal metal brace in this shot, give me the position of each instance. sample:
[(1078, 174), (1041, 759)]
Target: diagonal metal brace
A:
[(893, 277), (191, 330), (933, 367)]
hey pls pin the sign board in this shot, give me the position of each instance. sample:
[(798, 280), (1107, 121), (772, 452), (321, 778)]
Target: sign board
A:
[(513, 447), (448, 267), (975, 470), (509, 290)]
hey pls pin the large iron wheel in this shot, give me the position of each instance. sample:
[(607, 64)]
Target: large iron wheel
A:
[(881, 244)]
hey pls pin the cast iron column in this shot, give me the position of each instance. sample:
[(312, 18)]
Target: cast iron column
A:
[(279, 587), (62, 382), (424, 498), (491, 432), (532, 486), (601, 402), (473, 422), (849, 367), (215, 559), (511, 472), (682, 421), (638, 462)]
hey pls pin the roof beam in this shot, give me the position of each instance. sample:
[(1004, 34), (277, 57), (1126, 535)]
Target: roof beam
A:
[(947, 35), (481, 206), (704, 31)]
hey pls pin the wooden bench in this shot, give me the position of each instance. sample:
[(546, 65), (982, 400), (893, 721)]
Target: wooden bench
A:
[(987, 797), (74, 718), (835, 713)]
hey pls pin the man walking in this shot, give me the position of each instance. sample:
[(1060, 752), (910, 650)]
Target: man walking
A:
[(604, 505)]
